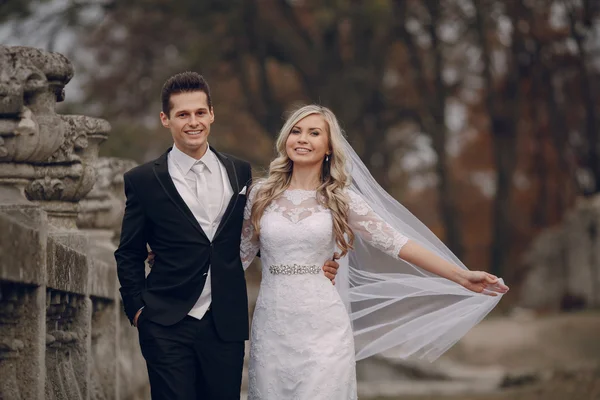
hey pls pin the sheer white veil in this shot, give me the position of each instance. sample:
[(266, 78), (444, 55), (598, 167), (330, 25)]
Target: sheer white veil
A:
[(396, 308)]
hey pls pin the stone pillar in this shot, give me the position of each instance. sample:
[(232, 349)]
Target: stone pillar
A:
[(100, 218), (59, 309), (564, 262), (31, 82)]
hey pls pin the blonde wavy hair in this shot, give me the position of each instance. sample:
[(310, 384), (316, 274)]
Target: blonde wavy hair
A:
[(333, 177)]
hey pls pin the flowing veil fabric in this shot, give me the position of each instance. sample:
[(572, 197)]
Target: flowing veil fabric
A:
[(396, 308)]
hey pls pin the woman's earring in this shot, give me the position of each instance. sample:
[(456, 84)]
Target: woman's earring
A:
[(327, 158)]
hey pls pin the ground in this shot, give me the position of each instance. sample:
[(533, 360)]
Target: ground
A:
[(554, 357), (582, 385)]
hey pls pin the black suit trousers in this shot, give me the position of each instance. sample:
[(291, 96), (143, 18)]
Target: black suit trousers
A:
[(188, 360)]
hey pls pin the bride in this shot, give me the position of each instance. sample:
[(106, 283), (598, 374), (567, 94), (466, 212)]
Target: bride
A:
[(399, 292)]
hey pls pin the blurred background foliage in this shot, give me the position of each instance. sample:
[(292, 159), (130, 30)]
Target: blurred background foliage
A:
[(481, 116)]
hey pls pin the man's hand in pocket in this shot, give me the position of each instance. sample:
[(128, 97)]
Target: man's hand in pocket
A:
[(137, 316)]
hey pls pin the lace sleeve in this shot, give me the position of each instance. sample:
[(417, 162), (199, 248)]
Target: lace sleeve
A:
[(249, 245), (370, 227)]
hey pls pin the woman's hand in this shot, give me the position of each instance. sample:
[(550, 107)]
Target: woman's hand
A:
[(482, 282)]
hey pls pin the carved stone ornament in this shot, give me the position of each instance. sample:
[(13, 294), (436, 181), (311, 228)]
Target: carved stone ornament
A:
[(69, 174), (31, 82), (46, 189), (103, 207), (80, 130)]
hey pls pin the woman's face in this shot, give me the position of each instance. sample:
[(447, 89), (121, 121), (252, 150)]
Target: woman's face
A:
[(308, 141)]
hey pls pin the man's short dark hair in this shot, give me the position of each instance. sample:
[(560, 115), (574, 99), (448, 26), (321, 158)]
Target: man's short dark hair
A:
[(182, 83)]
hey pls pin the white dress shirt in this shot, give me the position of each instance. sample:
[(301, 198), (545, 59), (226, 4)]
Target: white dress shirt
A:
[(208, 206)]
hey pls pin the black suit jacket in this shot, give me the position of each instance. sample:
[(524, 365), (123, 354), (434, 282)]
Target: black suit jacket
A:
[(156, 214)]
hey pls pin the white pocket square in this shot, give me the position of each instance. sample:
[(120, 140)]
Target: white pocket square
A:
[(244, 190)]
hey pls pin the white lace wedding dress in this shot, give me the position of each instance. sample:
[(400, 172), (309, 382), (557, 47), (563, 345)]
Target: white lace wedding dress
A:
[(301, 345)]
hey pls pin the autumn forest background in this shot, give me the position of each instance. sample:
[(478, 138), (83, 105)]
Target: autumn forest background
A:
[(480, 116)]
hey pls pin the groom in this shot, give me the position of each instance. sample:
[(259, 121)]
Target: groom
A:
[(192, 309)]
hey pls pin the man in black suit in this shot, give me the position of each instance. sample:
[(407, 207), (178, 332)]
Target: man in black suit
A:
[(192, 309)]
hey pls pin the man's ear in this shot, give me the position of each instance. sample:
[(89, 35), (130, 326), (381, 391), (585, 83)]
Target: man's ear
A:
[(212, 115), (164, 119)]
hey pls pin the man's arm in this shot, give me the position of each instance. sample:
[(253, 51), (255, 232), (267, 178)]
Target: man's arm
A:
[(132, 252)]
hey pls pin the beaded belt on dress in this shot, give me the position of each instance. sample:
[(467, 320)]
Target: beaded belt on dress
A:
[(294, 269)]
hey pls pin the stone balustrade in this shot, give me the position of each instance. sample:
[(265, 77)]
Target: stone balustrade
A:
[(63, 334), (563, 262)]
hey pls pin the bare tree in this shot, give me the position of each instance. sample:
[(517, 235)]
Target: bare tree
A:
[(433, 96), (579, 22), (502, 99)]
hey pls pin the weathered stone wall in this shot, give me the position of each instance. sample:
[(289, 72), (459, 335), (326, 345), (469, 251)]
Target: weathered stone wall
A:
[(564, 262), (63, 334)]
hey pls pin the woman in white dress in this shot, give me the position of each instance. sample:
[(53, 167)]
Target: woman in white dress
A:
[(304, 329)]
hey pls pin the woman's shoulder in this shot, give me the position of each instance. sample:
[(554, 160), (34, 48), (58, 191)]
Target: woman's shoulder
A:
[(256, 187), (257, 184), (351, 194), (357, 202)]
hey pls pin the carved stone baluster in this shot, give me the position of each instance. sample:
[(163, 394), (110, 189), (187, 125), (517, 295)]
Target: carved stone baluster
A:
[(104, 350), (60, 317), (67, 350), (19, 344), (100, 218), (9, 354), (10, 347), (31, 82)]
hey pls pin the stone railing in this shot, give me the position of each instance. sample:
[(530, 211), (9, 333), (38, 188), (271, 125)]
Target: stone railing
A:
[(63, 334), (564, 262)]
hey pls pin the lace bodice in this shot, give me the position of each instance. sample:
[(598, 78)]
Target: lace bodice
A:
[(306, 236)]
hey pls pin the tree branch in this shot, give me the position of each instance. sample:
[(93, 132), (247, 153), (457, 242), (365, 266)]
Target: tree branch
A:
[(290, 15)]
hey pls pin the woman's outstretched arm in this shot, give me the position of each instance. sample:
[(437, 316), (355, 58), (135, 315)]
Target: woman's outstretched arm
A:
[(378, 233), (476, 281)]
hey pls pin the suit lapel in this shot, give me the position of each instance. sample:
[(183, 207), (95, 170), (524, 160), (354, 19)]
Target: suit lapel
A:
[(161, 170), (235, 186)]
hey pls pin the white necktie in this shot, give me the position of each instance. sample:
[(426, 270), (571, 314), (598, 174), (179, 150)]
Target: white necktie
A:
[(202, 189)]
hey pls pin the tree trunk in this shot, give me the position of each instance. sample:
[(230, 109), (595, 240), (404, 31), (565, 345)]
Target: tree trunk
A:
[(504, 142), (503, 111), (433, 105), (589, 103)]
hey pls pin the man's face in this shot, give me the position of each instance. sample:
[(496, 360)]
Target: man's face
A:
[(189, 122)]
